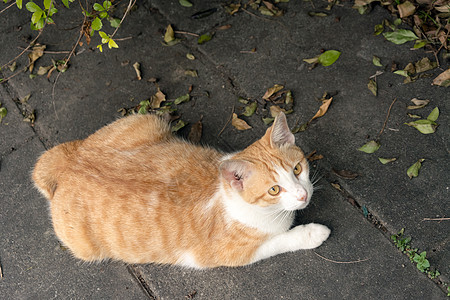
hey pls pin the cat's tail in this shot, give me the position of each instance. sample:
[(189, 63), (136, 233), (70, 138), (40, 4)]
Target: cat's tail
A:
[(50, 166)]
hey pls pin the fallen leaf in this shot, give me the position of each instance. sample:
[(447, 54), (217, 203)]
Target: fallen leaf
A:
[(25, 99), (136, 67), (418, 103), (232, 8), (3, 112), (443, 79), (372, 86), (433, 115), (376, 61), (413, 171), (169, 36), (345, 174), (190, 56), (12, 67), (204, 38), (300, 128), (156, 99), (272, 90), (268, 120), (410, 68), (239, 124), (424, 126), (322, 109), (181, 99), (402, 73), (314, 60), (250, 109), (275, 111), (289, 100), (36, 52), (185, 3), (317, 14), (192, 73), (243, 100), (336, 186), (406, 9), (180, 124), (195, 134), (425, 64), (379, 28), (414, 116), (370, 147), (315, 157), (329, 57), (386, 160), (400, 36), (143, 107), (43, 70)]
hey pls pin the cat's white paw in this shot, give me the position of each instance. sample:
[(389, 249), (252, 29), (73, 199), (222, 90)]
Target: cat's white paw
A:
[(309, 236)]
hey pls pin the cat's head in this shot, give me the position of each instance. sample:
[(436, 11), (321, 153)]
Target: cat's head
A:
[(271, 171)]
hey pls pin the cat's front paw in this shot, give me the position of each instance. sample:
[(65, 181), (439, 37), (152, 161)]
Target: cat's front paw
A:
[(311, 235)]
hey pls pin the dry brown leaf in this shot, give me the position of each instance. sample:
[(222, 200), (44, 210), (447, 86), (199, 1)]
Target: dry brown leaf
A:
[(443, 79), (346, 174), (417, 103), (36, 52), (406, 9), (195, 134), (272, 90), (322, 109), (156, 99), (137, 67), (239, 124), (313, 156), (275, 111)]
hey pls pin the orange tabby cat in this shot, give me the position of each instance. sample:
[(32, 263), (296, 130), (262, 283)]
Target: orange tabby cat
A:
[(133, 192)]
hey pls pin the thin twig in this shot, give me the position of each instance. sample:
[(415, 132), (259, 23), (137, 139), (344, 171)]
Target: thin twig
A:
[(387, 117), (226, 124), (186, 33), (28, 47), (130, 5), (47, 52), (1, 270), (7, 7), (436, 219), (340, 262)]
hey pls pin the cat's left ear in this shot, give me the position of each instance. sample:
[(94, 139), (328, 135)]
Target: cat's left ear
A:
[(235, 172), (279, 133)]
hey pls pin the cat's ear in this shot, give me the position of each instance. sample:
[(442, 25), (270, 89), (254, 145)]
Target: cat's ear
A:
[(279, 133), (235, 172)]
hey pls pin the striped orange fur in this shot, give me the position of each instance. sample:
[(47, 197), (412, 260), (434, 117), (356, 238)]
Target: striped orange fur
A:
[(133, 192)]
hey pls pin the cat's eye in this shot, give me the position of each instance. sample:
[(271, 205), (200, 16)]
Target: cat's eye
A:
[(275, 190), (298, 169)]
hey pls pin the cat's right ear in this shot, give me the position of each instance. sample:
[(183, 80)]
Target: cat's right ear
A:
[(235, 172)]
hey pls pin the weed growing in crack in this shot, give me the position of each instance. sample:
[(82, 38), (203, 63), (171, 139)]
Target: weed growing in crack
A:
[(420, 259)]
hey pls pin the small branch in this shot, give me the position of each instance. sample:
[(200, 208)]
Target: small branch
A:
[(47, 52), (387, 117), (186, 33), (340, 262), (130, 5), (226, 124), (7, 7), (435, 219)]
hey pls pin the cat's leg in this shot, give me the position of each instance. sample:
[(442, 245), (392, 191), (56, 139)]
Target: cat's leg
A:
[(301, 237)]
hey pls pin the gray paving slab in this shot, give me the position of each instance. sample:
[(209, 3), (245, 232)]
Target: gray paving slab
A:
[(381, 273), (34, 265)]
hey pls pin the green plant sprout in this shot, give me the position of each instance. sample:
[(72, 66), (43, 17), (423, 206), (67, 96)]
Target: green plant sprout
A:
[(420, 259)]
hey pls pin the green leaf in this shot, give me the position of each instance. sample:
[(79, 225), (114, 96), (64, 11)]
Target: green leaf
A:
[(97, 24), (420, 44), (329, 57), (66, 3), (250, 109), (180, 124), (376, 61), (114, 22), (400, 36), (402, 73), (413, 171), (386, 160), (373, 87), (47, 4), (103, 35), (52, 11), (98, 7), (433, 115), (370, 147), (36, 16), (424, 126), (268, 120), (182, 99), (18, 3), (107, 4), (112, 44), (33, 7), (204, 38), (185, 3), (103, 14), (100, 47), (3, 113), (169, 35), (379, 28)]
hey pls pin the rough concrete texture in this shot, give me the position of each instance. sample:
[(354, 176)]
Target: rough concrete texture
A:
[(358, 261)]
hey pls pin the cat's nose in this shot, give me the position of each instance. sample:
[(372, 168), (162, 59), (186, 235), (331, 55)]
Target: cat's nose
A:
[(302, 196)]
